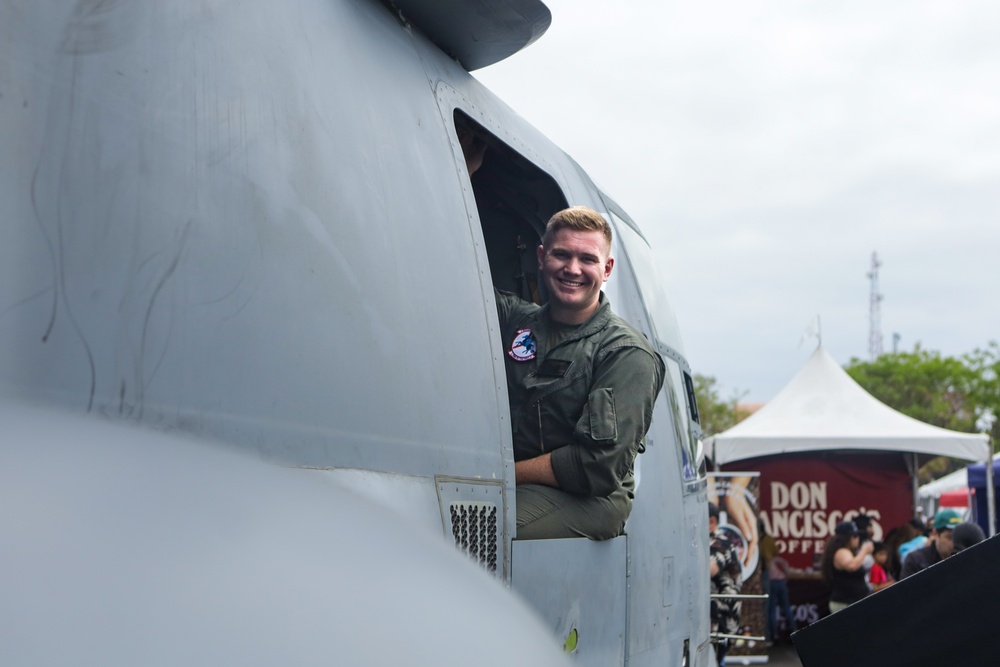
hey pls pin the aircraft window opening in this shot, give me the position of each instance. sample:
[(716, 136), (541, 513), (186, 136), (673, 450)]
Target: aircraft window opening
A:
[(694, 442), (692, 402), (514, 199), (674, 385)]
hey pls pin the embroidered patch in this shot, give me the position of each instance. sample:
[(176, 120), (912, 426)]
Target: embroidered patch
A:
[(523, 347)]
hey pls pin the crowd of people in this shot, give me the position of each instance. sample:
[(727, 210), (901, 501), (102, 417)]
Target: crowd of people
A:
[(854, 566)]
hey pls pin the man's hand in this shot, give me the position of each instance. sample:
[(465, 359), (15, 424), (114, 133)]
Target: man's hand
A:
[(536, 471)]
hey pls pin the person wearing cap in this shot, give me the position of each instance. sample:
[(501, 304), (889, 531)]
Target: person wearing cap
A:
[(940, 547), (966, 535), (842, 566)]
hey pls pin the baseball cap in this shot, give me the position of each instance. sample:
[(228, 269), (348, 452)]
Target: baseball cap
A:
[(966, 535), (846, 528), (947, 519)]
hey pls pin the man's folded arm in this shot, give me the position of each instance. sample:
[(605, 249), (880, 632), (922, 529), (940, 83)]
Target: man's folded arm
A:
[(613, 424)]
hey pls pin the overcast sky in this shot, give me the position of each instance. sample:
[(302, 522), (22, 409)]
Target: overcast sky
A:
[(768, 148)]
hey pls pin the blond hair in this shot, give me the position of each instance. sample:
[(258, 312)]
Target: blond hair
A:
[(577, 218)]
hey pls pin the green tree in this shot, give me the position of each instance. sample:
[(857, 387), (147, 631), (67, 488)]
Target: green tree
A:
[(985, 390), (954, 393), (922, 384), (717, 414)]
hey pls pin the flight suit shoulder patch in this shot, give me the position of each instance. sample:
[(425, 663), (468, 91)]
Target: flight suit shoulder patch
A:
[(523, 347)]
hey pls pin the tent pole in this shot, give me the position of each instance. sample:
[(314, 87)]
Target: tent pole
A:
[(915, 483), (991, 508)]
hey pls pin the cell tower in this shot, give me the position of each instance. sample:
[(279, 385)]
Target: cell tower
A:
[(874, 312)]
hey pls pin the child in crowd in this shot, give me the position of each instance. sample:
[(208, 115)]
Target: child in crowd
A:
[(878, 576)]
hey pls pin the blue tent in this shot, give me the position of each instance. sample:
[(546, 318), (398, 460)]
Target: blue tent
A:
[(977, 481)]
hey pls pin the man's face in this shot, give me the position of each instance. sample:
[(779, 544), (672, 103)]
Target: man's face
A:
[(574, 266), (945, 545)]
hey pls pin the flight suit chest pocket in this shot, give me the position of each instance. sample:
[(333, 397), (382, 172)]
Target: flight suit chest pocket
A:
[(603, 419), (551, 375), (553, 368)]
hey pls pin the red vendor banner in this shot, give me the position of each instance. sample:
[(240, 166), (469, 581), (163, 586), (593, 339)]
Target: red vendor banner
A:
[(804, 497)]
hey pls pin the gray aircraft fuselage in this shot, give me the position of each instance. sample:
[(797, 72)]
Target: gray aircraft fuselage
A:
[(252, 223)]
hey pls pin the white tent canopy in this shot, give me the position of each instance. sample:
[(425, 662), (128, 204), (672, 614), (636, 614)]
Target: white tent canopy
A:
[(950, 482), (822, 409)]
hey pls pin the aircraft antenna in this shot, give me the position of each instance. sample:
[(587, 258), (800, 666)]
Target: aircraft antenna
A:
[(874, 312)]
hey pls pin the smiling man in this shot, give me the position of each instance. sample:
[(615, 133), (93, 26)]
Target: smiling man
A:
[(581, 383)]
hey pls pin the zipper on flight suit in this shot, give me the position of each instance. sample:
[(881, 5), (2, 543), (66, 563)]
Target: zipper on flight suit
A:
[(541, 433)]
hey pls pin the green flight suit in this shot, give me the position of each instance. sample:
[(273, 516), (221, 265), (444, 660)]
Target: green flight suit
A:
[(586, 395)]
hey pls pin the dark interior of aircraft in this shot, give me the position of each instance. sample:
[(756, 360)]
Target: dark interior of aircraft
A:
[(515, 199)]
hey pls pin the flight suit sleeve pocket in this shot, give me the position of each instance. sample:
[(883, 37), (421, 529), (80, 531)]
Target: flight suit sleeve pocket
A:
[(603, 420)]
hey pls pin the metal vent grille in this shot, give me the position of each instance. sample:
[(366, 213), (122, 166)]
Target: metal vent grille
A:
[(474, 527)]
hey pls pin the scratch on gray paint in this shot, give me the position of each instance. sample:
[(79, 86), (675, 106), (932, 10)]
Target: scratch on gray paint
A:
[(57, 256), (145, 382), (27, 299), (52, 252), (96, 26), (72, 318), (60, 245), (249, 298)]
